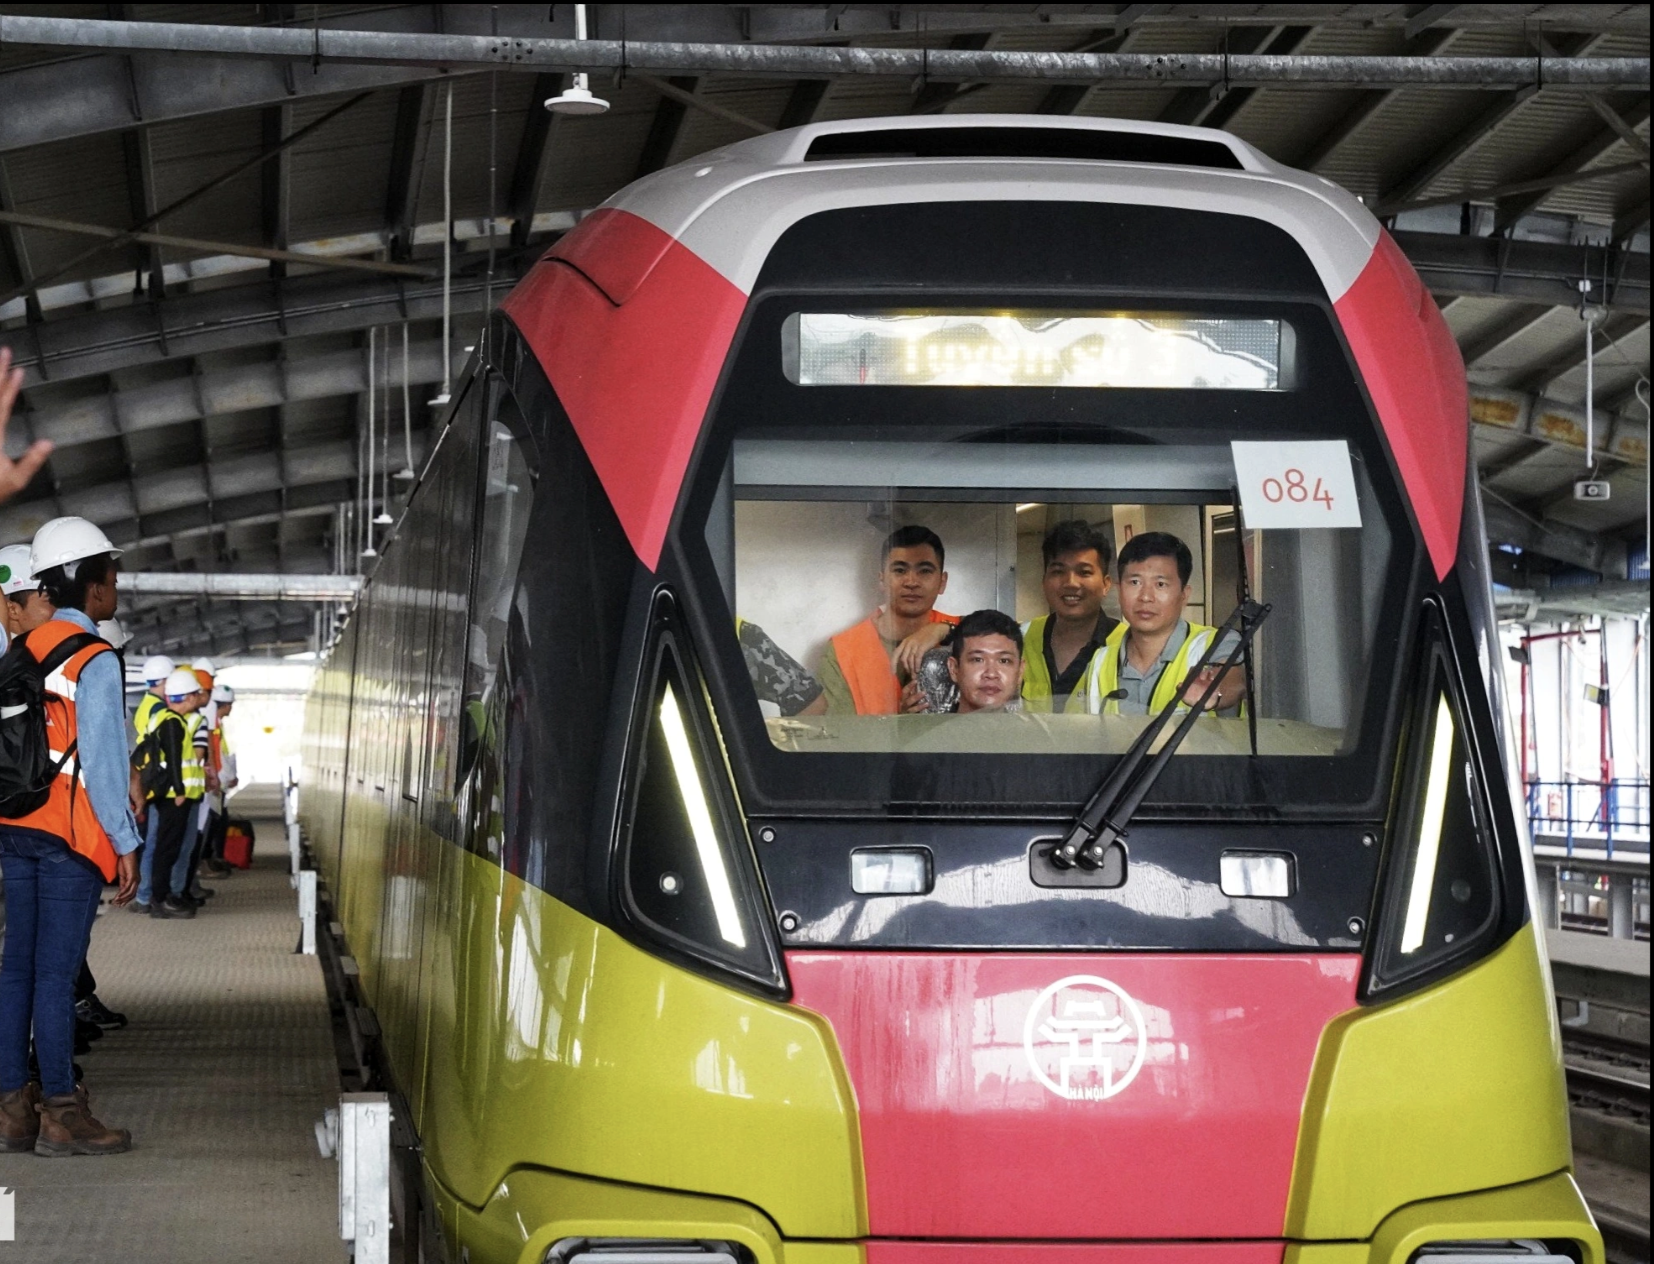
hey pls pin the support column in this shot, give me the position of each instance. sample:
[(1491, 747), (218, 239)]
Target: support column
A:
[(1620, 911)]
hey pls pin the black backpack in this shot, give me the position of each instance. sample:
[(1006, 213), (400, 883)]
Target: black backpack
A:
[(26, 764)]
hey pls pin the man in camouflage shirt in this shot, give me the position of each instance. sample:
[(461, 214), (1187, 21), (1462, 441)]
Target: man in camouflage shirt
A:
[(777, 676)]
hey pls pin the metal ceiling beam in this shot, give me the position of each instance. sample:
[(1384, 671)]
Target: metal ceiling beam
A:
[(98, 342), (803, 102), (1214, 107), (1368, 105), (276, 178), (1420, 17), (1513, 324), (528, 172), (670, 112), (223, 392), (318, 45), (402, 182), (933, 97), (240, 586), (1533, 271), (1578, 158), (16, 249), (194, 195), (1066, 98), (1425, 172), (1541, 376), (50, 224), (1627, 224), (1497, 192), (172, 499), (686, 96), (140, 191), (1558, 541)]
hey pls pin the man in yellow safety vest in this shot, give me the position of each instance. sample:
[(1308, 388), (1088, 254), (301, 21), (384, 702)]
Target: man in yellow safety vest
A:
[(1059, 646), (1146, 658)]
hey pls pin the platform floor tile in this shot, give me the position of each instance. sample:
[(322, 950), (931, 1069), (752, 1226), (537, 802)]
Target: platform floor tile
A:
[(225, 1067)]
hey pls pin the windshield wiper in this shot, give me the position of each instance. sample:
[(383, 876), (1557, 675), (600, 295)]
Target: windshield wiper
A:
[(1102, 821)]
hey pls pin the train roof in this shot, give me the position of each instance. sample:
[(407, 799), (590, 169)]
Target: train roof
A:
[(730, 206)]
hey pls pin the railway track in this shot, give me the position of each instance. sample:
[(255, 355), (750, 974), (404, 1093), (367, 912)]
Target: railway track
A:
[(1608, 1083)]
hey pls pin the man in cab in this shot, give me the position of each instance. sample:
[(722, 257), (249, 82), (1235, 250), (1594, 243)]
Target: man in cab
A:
[(1147, 658), (1060, 645), (866, 667), (986, 662)]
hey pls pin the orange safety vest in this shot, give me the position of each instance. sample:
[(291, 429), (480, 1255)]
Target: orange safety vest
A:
[(865, 663), (67, 812)]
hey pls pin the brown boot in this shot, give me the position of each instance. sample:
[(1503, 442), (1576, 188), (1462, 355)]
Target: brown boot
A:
[(67, 1127), (19, 1125)]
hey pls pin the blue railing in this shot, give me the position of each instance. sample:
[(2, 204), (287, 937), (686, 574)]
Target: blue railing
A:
[(1593, 813)]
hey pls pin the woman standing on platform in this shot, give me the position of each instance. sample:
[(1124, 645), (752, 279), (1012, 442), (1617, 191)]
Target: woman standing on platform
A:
[(57, 857)]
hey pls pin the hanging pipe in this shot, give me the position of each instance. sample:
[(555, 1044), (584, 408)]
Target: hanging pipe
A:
[(407, 470), (367, 507), (447, 246)]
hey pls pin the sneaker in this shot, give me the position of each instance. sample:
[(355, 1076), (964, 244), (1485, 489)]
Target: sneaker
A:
[(87, 1030), (138, 906), (19, 1123), (201, 894), (67, 1127), (171, 907), (95, 1011), (217, 868)]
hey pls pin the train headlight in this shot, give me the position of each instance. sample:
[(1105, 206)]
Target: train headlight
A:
[(687, 879), (890, 871), (1507, 1251), (1441, 905), (643, 1251)]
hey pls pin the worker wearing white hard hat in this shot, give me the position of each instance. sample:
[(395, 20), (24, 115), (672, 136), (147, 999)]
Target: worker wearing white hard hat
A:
[(156, 669), (14, 578), (88, 812), (24, 608), (224, 766)]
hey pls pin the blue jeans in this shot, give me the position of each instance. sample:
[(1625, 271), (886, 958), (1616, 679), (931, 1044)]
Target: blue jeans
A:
[(186, 849), (146, 863), (51, 898)]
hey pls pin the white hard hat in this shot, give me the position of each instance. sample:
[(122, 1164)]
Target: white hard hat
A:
[(157, 667), (204, 664), (113, 631), (181, 683), (223, 695), (16, 569), (64, 541)]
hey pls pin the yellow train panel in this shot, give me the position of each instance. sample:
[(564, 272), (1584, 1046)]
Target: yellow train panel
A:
[(673, 1081), (1456, 1088)]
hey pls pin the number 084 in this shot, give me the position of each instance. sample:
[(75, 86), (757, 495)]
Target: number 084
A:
[(1296, 489)]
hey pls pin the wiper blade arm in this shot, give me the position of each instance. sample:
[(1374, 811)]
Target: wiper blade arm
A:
[(1106, 814)]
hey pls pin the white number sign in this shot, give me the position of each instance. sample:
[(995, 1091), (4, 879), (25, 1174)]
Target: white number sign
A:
[(1292, 486)]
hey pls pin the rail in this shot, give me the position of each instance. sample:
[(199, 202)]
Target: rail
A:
[(1597, 814)]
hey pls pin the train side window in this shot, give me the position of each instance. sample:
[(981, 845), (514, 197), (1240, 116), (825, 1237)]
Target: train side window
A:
[(1441, 890), (507, 492)]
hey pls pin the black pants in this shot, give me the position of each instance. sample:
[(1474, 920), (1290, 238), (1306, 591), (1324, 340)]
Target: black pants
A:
[(171, 821)]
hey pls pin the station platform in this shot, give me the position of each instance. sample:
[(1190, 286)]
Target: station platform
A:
[(226, 1064)]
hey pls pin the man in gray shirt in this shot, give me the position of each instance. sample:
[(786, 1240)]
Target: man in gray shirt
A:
[(1147, 657)]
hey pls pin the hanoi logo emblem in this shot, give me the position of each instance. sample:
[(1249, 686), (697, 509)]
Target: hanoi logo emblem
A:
[(1085, 1038)]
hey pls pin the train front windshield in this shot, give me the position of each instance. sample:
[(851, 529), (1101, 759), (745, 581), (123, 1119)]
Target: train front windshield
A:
[(1103, 487)]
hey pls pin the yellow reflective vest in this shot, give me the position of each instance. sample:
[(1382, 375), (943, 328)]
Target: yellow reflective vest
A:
[(143, 717), (1103, 676), (195, 771)]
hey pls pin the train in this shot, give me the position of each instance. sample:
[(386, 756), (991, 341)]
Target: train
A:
[(673, 960)]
